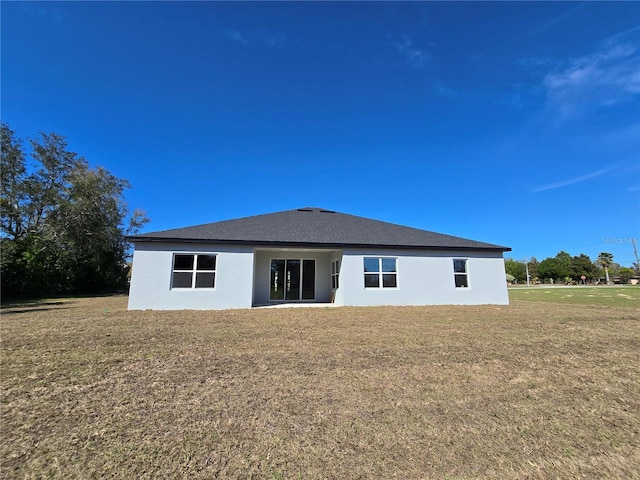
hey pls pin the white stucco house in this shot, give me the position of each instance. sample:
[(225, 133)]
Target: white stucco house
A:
[(311, 255)]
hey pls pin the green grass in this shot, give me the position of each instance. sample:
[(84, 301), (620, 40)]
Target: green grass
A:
[(611, 296), (530, 390)]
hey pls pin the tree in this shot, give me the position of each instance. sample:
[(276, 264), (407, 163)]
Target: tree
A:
[(63, 223), (12, 176), (516, 269), (625, 274), (605, 260), (564, 265), (583, 266), (558, 268), (547, 268)]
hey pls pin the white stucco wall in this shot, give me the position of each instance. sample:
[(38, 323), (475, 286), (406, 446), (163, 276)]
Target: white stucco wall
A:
[(425, 278), (151, 278), (242, 278)]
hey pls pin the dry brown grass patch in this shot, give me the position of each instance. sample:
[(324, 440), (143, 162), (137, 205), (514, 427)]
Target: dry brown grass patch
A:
[(526, 391)]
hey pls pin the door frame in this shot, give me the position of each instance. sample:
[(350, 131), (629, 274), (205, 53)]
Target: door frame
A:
[(300, 283)]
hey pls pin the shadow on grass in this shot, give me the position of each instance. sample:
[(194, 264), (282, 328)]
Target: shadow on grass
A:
[(30, 304), (27, 306), (13, 310)]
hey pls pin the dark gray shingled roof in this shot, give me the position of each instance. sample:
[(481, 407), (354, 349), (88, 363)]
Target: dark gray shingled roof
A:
[(313, 227)]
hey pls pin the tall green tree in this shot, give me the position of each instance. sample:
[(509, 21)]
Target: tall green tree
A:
[(605, 260), (583, 266), (548, 268), (625, 274), (13, 177), (515, 269), (565, 265), (63, 223), (559, 268)]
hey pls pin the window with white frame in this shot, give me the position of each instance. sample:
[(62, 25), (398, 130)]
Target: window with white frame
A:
[(460, 273), (193, 270), (335, 274), (380, 272)]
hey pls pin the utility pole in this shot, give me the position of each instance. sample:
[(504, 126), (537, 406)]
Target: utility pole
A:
[(635, 251), (526, 267)]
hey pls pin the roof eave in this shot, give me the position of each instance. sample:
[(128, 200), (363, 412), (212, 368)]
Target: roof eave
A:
[(275, 244)]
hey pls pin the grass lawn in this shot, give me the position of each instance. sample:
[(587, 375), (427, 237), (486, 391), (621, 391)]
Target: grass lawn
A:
[(613, 296), (537, 389)]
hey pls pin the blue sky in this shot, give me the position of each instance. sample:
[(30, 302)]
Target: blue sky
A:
[(516, 123)]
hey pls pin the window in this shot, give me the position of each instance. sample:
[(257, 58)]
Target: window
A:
[(460, 273), (335, 274), (195, 270), (380, 273)]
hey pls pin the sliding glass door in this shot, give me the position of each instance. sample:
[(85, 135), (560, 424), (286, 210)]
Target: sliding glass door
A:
[(292, 279)]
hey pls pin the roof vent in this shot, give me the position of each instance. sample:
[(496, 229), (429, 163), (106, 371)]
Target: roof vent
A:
[(327, 211), (305, 209)]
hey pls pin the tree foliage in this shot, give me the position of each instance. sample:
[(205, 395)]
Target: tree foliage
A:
[(583, 266), (62, 222), (516, 269), (625, 274), (558, 268), (563, 268)]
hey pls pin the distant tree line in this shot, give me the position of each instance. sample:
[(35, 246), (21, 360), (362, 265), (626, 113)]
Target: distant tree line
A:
[(63, 224), (565, 269)]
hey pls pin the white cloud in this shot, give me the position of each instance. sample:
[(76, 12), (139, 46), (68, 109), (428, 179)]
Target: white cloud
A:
[(414, 56), (571, 181), (559, 18), (443, 90), (236, 36), (606, 77), (254, 38)]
